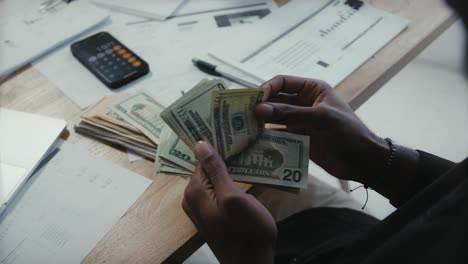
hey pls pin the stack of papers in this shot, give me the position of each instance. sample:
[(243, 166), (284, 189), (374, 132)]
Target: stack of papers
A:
[(27, 31), (24, 141), (322, 39), (205, 6), (154, 9), (66, 208), (167, 46)]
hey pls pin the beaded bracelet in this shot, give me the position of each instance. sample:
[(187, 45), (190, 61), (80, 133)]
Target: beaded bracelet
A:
[(387, 167), (391, 158)]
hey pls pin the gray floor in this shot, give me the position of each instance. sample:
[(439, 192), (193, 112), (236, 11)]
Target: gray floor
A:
[(424, 107)]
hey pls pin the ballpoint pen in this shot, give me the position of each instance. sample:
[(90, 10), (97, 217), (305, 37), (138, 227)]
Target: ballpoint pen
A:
[(49, 4), (214, 70)]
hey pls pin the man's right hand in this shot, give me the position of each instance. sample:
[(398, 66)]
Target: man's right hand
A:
[(339, 141)]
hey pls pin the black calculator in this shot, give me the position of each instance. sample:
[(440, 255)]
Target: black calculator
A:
[(109, 60)]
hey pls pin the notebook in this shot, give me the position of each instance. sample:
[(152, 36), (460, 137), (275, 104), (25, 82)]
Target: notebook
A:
[(24, 140)]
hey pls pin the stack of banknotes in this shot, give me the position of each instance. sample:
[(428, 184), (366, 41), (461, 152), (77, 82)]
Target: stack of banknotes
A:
[(225, 118), (102, 123), (209, 112)]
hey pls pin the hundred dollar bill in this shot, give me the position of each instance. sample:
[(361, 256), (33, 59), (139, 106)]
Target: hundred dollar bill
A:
[(233, 120), (143, 112), (277, 158), (190, 116)]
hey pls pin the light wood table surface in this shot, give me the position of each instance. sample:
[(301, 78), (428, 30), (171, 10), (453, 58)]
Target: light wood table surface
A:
[(155, 229)]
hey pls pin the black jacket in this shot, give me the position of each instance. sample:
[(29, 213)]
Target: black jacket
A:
[(429, 226)]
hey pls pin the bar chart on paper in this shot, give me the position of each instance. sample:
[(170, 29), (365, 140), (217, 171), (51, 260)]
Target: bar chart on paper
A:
[(327, 40)]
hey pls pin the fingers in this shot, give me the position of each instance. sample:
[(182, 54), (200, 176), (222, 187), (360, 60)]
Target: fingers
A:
[(193, 214), (285, 84), (285, 114), (213, 167), (285, 89), (286, 99), (198, 190)]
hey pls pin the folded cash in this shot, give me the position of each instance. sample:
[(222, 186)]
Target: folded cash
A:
[(101, 123), (233, 121), (277, 158), (225, 118), (174, 150), (114, 139), (143, 112), (165, 162), (209, 112), (190, 116)]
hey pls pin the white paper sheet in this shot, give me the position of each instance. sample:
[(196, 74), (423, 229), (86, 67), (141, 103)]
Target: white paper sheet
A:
[(324, 39), (168, 48), (25, 139), (27, 33), (133, 156), (66, 208), (155, 9)]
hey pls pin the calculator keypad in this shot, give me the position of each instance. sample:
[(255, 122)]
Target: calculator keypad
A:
[(109, 60), (115, 63)]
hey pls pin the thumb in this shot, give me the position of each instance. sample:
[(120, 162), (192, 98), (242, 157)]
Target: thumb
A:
[(213, 166), (285, 114)]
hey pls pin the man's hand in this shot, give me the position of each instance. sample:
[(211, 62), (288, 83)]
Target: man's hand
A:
[(236, 226), (339, 142)]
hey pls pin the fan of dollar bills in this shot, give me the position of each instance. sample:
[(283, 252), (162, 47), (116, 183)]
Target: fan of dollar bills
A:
[(223, 117)]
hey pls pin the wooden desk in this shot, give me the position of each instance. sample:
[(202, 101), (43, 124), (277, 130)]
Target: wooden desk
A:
[(155, 227)]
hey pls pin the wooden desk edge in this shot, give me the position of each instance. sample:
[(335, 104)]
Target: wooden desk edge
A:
[(358, 99)]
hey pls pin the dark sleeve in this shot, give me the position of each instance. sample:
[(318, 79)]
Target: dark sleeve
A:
[(430, 168)]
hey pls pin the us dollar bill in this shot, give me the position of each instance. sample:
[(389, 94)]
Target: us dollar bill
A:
[(173, 152), (233, 121), (176, 151), (276, 158), (102, 113), (142, 112), (190, 116), (101, 116), (162, 165)]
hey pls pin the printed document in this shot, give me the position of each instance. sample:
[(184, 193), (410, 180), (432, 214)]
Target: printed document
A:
[(168, 47), (66, 208), (154, 9), (323, 39), (27, 31)]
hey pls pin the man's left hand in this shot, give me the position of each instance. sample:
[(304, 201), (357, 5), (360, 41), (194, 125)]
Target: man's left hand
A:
[(236, 226)]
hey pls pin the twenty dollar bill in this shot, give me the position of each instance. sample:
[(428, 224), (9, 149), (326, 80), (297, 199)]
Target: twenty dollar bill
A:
[(233, 120)]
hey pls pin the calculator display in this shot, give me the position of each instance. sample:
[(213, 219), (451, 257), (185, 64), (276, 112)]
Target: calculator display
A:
[(109, 60)]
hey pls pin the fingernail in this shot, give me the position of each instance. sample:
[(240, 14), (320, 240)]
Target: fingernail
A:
[(203, 150), (265, 109)]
